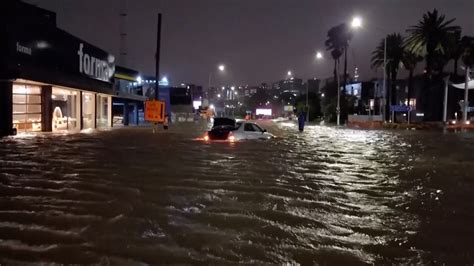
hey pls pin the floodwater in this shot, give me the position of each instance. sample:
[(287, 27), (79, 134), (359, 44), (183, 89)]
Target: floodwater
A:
[(326, 196)]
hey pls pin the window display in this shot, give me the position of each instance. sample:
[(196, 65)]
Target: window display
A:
[(65, 109), (26, 107)]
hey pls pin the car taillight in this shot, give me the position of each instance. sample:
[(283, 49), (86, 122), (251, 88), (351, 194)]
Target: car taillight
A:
[(231, 137), (206, 137)]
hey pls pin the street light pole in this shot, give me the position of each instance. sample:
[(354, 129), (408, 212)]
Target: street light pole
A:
[(307, 101), (209, 87), (357, 23), (221, 68)]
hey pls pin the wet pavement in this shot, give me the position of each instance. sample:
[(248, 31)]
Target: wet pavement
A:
[(326, 196)]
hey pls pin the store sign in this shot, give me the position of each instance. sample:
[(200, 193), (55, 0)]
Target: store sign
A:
[(92, 66), (55, 51), (155, 111), (23, 49)]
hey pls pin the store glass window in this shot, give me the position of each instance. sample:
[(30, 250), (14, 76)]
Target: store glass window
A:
[(65, 109), (88, 110), (26, 107), (103, 111)]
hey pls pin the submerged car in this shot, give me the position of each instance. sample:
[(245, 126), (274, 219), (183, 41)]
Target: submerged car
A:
[(227, 129)]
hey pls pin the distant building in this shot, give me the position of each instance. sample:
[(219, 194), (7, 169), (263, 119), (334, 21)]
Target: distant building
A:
[(293, 86), (313, 85)]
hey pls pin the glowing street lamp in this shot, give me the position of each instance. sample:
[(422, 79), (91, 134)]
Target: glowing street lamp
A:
[(221, 68), (356, 23), (289, 73), (319, 55)]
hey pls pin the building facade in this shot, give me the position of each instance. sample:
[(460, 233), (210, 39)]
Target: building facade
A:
[(51, 80)]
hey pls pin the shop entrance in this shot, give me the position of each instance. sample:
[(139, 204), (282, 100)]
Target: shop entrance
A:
[(88, 110), (104, 111)]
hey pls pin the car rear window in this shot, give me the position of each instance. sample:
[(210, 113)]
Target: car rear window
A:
[(249, 127)]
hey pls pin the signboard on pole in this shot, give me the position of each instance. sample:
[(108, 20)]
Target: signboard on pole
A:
[(155, 111)]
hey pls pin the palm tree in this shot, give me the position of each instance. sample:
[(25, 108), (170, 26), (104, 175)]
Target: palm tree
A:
[(337, 43), (395, 53), (455, 49), (410, 60), (429, 38)]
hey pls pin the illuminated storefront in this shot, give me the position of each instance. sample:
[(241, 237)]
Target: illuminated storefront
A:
[(50, 80), (66, 110), (26, 107)]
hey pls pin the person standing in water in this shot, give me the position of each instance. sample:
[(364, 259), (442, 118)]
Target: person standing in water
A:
[(301, 121)]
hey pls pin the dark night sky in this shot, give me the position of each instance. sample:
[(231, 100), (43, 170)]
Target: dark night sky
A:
[(257, 40)]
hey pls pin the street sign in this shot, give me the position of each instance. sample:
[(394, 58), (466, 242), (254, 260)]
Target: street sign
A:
[(155, 111), (400, 108)]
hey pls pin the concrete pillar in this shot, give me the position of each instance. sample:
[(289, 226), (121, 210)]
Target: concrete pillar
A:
[(46, 109), (96, 98), (6, 108), (81, 124), (125, 113), (109, 111), (136, 113)]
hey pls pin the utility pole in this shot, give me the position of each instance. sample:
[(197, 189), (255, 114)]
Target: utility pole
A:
[(157, 58), (338, 108), (307, 101), (385, 94)]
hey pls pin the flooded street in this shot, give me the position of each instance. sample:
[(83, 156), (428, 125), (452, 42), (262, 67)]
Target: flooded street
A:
[(328, 196)]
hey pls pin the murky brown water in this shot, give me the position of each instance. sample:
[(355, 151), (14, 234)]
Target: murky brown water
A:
[(327, 196)]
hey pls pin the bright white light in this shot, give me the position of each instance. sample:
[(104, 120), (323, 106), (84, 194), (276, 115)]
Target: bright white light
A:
[(356, 22), (289, 73), (196, 104), (42, 45), (322, 94), (139, 80), (468, 122), (164, 81), (223, 88), (221, 68), (263, 112), (232, 88), (218, 95), (235, 93), (319, 55), (212, 106)]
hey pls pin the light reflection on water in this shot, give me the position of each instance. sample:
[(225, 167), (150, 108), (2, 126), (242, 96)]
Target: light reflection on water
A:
[(326, 195)]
